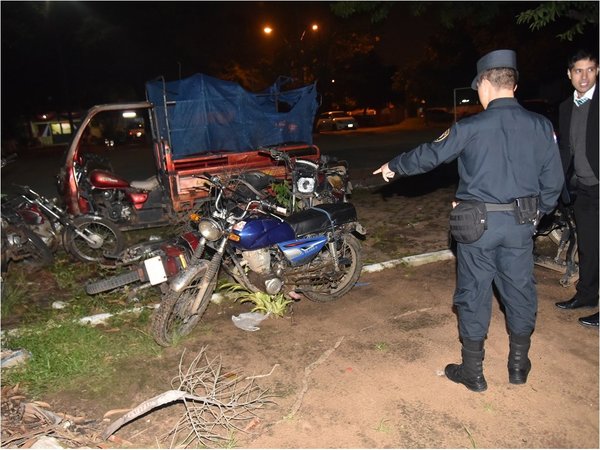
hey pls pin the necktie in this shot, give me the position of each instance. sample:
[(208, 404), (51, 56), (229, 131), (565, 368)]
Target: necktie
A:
[(581, 101)]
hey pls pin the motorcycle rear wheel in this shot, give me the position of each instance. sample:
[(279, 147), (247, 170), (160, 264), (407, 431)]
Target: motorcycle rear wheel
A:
[(173, 318), (112, 239), (108, 284), (320, 291)]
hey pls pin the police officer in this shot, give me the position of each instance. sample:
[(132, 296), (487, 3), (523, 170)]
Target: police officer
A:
[(508, 160)]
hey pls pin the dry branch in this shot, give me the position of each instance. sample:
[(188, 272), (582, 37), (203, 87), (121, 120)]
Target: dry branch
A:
[(216, 403), (307, 371)]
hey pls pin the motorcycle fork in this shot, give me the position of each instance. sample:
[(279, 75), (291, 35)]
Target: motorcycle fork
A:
[(197, 253), (211, 272), (333, 251), (60, 216)]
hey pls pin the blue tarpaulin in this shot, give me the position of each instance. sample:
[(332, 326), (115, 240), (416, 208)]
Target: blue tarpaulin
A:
[(211, 115)]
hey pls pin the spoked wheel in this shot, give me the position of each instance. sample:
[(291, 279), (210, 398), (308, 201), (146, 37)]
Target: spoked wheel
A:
[(174, 318), (327, 288), (103, 238)]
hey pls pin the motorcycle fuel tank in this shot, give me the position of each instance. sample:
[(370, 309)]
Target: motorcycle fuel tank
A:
[(105, 180), (259, 233)]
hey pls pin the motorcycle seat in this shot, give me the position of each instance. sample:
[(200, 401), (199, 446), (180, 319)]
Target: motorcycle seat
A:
[(147, 185), (321, 218)]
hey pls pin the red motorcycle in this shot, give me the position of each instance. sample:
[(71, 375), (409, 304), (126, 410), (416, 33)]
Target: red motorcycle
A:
[(131, 205), (88, 238)]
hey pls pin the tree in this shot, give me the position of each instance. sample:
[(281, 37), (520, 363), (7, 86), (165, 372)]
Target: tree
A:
[(460, 32), (579, 15)]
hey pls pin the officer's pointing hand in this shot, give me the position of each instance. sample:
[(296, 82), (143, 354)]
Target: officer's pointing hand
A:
[(385, 172)]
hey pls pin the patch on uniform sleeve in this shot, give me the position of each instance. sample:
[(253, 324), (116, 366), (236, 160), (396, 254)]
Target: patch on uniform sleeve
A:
[(443, 136)]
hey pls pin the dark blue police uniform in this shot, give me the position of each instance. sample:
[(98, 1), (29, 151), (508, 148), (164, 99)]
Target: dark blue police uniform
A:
[(504, 153)]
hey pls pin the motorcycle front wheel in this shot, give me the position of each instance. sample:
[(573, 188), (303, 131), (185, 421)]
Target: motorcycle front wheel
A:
[(174, 317), (106, 239), (325, 289)]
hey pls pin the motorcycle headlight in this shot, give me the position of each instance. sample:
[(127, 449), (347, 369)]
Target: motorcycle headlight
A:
[(306, 185), (210, 229)]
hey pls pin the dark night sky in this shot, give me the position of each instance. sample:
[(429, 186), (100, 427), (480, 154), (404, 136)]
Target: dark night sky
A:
[(129, 43)]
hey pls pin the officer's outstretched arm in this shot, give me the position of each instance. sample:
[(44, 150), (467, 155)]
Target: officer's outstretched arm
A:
[(385, 172)]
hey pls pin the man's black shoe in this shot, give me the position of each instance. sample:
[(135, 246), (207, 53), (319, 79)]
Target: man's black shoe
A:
[(589, 321), (575, 303)]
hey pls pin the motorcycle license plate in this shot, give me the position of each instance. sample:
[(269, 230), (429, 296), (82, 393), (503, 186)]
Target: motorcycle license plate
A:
[(155, 270)]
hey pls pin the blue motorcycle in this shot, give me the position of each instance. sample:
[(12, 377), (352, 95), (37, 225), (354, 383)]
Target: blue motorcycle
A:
[(313, 253)]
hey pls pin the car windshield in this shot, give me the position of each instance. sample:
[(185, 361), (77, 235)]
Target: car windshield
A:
[(338, 114)]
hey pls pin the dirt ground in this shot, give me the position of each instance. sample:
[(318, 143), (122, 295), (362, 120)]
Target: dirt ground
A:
[(366, 371)]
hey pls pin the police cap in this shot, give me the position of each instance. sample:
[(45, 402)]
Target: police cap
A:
[(495, 60)]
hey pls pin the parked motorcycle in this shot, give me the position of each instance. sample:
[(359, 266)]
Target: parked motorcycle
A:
[(18, 242), (150, 263), (561, 230), (130, 205), (88, 238), (313, 183), (313, 252)]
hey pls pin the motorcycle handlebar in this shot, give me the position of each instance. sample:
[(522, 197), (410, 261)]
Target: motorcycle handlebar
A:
[(273, 208)]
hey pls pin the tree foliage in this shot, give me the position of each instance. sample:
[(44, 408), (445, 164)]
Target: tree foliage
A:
[(579, 14), (377, 10), (447, 14)]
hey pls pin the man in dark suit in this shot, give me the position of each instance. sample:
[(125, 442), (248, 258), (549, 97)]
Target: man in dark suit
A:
[(578, 143)]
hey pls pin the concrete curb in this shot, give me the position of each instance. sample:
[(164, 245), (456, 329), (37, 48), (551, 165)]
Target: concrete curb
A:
[(415, 260)]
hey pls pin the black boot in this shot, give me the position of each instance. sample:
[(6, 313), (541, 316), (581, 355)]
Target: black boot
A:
[(470, 372), (519, 364)]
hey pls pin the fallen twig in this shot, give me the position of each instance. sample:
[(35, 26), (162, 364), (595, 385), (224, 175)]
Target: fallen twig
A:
[(262, 376), (307, 371), (408, 313)]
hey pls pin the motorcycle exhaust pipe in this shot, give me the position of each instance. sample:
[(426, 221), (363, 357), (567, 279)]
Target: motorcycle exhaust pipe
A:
[(182, 279)]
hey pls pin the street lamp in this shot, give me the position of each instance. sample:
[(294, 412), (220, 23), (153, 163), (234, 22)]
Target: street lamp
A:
[(313, 27), (295, 46), (268, 30)]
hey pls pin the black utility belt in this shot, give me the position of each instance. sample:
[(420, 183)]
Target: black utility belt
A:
[(526, 209), (468, 219)]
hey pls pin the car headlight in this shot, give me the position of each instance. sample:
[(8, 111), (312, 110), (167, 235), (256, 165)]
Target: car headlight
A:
[(210, 229)]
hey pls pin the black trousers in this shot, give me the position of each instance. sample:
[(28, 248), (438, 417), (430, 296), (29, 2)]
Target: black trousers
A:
[(586, 221), (502, 256)]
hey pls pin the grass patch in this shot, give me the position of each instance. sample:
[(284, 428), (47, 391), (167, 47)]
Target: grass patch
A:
[(263, 302), (383, 427), (382, 347), (12, 296), (63, 352), (69, 275)]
